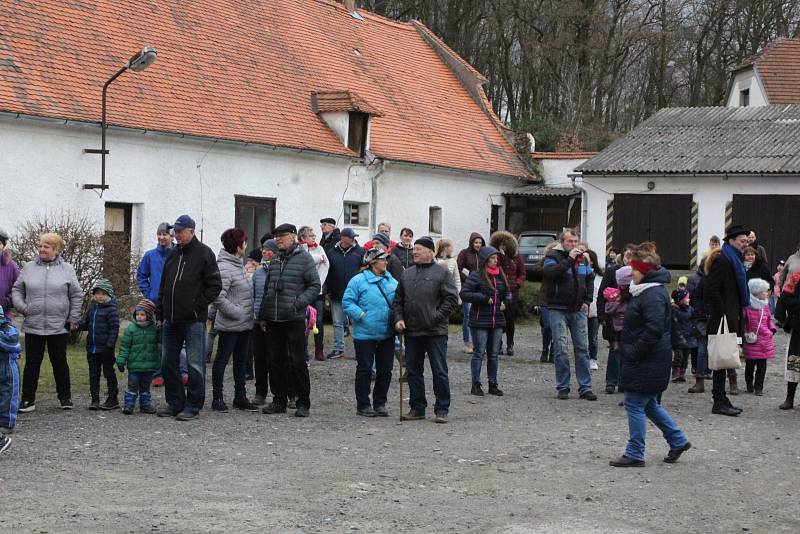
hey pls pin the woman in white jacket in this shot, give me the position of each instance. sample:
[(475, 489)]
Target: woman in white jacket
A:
[(444, 256), (308, 241)]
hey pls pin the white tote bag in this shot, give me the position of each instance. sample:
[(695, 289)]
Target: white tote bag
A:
[(723, 348)]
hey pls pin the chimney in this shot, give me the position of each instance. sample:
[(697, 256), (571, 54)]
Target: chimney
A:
[(350, 5)]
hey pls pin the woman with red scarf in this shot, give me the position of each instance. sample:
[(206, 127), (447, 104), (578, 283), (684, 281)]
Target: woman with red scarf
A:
[(487, 290), (787, 312), (308, 241)]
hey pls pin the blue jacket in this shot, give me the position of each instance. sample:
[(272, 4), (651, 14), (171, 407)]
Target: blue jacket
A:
[(9, 340), (365, 305), (102, 324), (645, 340), (344, 266), (260, 278), (148, 274)]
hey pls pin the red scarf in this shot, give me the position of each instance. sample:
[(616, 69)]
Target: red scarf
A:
[(309, 245), (791, 285), (493, 271)]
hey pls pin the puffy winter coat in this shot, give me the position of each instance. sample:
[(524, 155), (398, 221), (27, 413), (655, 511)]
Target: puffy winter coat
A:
[(234, 304), (759, 269), (468, 258), (148, 274), (49, 296), (9, 272), (259, 287), (645, 341), (189, 284), (683, 317), (139, 348), (485, 314), (293, 284), (344, 265), (102, 326), (512, 263), (367, 307), (567, 282), (425, 299), (764, 347)]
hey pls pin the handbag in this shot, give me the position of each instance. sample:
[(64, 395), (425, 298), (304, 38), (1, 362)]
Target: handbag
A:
[(752, 337), (723, 348), (391, 321)]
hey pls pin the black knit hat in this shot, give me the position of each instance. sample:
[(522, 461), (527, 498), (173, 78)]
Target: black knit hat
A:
[(426, 241)]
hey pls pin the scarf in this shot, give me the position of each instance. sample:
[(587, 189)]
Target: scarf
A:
[(735, 257), (309, 245), (757, 303), (638, 289), (493, 271)]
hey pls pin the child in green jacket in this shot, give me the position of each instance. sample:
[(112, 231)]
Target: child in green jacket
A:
[(140, 351)]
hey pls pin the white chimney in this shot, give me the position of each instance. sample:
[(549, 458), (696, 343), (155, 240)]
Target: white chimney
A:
[(350, 5)]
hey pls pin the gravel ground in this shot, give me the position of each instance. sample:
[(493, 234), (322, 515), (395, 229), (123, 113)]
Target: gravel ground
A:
[(522, 463)]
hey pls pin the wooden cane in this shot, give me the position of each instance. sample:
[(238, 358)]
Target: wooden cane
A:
[(402, 361)]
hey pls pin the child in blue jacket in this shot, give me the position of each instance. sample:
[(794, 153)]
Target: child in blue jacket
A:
[(102, 324), (10, 350)]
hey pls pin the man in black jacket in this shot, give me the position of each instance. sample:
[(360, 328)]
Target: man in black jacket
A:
[(422, 306), (345, 262), (292, 285), (330, 234), (725, 294), (567, 282), (189, 283)]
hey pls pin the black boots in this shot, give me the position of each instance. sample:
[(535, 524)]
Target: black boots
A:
[(494, 390), (476, 390), (788, 404)]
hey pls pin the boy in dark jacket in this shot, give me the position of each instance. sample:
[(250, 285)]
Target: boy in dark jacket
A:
[(140, 352), (102, 324), (10, 350), (684, 342)]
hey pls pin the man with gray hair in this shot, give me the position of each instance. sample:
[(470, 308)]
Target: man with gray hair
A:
[(567, 283)]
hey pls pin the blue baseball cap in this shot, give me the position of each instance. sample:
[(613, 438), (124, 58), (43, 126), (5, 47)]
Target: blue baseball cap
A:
[(349, 232), (184, 221)]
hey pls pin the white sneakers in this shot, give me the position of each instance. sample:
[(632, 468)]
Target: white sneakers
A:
[(593, 365)]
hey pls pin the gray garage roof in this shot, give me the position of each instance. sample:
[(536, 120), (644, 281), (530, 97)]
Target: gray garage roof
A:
[(718, 140)]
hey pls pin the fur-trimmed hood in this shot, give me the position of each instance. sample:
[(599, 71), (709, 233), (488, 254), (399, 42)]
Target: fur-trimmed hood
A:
[(505, 241)]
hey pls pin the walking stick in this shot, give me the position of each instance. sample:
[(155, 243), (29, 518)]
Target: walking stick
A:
[(402, 361)]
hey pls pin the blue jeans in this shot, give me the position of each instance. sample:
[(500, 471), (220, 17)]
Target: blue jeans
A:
[(9, 389), (139, 386), (640, 408), (486, 340), (174, 335), (701, 367), (183, 365), (562, 322), (547, 332), (613, 368), (371, 354), (236, 343), (465, 307), (593, 325), (339, 320), (436, 349)]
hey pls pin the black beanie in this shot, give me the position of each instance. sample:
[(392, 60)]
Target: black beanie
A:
[(426, 242)]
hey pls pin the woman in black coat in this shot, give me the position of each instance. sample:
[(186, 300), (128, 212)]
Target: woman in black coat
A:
[(647, 359), (756, 267)]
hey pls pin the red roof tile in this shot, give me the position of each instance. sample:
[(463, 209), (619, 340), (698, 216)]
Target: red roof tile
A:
[(324, 101), (778, 66), (245, 70)]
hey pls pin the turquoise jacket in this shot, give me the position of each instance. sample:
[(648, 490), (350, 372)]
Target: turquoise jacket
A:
[(366, 306)]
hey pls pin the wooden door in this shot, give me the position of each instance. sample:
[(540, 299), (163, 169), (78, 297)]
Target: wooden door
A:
[(117, 246), (256, 216), (774, 218), (664, 219)]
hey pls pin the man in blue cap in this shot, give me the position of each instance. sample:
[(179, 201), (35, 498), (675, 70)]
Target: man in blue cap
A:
[(189, 283), (345, 259)]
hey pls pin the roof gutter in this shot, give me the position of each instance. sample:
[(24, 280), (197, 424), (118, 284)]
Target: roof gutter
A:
[(573, 176), (455, 170)]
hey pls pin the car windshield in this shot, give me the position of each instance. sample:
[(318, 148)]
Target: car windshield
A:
[(538, 241)]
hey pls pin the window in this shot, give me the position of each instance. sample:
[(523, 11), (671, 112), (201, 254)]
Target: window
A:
[(435, 220), (744, 97), (357, 132), (356, 214), (256, 216)]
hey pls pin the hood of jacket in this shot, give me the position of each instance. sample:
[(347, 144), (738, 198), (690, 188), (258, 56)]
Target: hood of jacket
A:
[(472, 237), (226, 257), (657, 276), (485, 253), (505, 242)]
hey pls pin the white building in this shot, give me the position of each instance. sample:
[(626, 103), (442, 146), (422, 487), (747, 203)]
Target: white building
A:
[(771, 77), (249, 119)]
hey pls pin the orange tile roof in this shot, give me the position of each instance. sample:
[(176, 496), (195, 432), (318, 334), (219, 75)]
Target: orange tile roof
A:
[(324, 101), (245, 70), (778, 66)]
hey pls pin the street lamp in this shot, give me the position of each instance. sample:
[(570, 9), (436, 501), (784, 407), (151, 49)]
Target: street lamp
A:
[(140, 61)]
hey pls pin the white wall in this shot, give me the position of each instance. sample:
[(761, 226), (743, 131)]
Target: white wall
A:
[(747, 79), (555, 171), (42, 168), (711, 193)]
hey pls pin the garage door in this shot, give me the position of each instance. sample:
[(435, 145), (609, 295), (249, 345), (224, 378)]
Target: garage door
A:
[(776, 220), (665, 219)]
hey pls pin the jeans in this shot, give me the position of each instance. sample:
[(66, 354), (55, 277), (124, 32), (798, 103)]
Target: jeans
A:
[(184, 366), (701, 366), (139, 386), (486, 340), (34, 354), (465, 307), (339, 320), (436, 349), (319, 305), (9, 390), (288, 370), (593, 325), (613, 368), (511, 318), (261, 360), (547, 332), (380, 354), (760, 369), (238, 344), (640, 408), (174, 336), (102, 361), (575, 323)]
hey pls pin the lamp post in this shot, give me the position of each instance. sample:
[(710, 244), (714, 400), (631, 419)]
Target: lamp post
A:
[(140, 61)]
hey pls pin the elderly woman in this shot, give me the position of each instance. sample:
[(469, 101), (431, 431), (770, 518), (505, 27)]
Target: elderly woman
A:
[(308, 241), (647, 359), (368, 302), (48, 295)]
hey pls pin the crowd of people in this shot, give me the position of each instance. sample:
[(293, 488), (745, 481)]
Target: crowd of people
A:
[(395, 299)]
